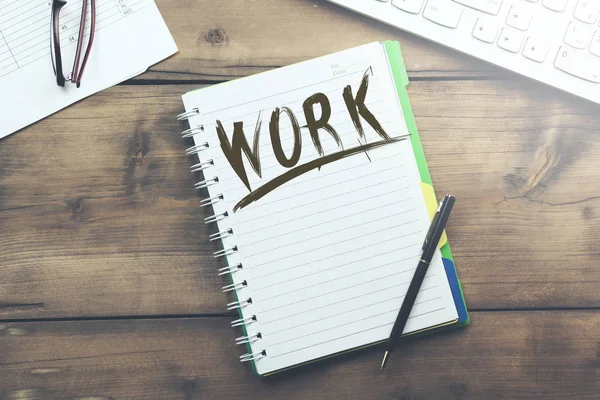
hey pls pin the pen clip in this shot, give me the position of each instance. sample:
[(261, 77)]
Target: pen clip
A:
[(436, 216)]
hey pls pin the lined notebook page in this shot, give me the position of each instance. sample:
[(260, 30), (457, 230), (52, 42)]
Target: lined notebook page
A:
[(327, 256)]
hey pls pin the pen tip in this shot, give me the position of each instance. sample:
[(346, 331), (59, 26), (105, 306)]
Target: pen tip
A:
[(385, 357)]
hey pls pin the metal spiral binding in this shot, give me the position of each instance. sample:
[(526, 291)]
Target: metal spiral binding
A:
[(234, 286), (211, 200), (196, 149), (206, 183), (248, 339), (220, 235), (235, 305), (253, 356), (215, 218), (244, 321), (188, 133), (230, 270), (201, 166), (225, 252), (188, 114)]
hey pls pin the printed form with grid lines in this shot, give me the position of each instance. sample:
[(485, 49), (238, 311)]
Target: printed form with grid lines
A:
[(130, 37)]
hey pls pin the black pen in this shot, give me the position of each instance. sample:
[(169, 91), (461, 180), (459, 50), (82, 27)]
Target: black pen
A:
[(429, 245)]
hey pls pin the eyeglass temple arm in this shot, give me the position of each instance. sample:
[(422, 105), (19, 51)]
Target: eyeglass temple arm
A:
[(56, 6), (77, 75), (75, 70)]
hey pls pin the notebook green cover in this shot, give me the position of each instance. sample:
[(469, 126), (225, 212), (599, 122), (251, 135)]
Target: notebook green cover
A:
[(397, 66), (394, 54)]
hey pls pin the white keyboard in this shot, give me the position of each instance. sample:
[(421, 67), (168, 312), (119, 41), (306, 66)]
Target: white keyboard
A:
[(553, 41)]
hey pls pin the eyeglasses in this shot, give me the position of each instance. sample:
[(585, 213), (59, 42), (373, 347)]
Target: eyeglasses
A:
[(55, 28)]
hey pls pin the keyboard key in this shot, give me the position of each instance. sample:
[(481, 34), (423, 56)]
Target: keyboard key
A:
[(443, 13), (587, 11), (510, 40), (555, 5), (578, 64), (535, 50), (487, 6), (578, 35), (595, 46), (519, 18), (533, 1), (410, 6), (485, 30)]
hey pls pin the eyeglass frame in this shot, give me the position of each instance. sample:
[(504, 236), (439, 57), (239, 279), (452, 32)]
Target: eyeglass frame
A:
[(55, 49)]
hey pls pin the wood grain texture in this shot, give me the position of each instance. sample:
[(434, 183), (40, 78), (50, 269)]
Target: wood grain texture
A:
[(98, 216), (234, 38), (98, 208), (525, 355)]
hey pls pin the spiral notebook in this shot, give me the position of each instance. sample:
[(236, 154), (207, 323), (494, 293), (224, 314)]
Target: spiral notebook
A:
[(317, 188)]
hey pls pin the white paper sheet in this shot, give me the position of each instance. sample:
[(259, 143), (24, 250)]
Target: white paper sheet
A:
[(130, 37)]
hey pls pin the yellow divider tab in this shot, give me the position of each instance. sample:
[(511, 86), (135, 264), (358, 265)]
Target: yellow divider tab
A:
[(432, 206)]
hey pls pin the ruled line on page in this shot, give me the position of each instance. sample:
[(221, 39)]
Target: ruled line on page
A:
[(346, 300), (322, 271), (100, 26), (313, 203), (334, 267), (363, 306), (324, 297), (318, 177), (26, 31), (271, 168), (298, 111), (250, 124), (366, 271), (350, 321), (23, 4), (253, 101), (43, 42), (43, 37), (321, 237), (352, 334), (334, 291), (324, 221), (362, 165), (325, 138), (340, 242), (248, 226), (319, 184), (337, 254), (337, 290), (372, 185)]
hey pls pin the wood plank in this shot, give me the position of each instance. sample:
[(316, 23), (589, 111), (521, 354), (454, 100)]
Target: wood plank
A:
[(238, 38), (98, 216), (98, 207), (524, 355), (523, 166)]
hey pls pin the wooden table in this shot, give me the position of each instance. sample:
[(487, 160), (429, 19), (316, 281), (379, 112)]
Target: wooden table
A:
[(108, 288)]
